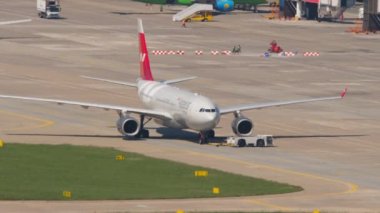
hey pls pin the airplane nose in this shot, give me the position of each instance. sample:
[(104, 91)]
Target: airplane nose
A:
[(212, 120)]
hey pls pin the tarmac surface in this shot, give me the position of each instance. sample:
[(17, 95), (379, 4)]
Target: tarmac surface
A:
[(331, 149)]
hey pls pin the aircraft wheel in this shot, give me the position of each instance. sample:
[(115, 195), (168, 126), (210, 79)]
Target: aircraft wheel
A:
[(203, 139), (211, 134), (260, 143), (241, 143), (144, 133)]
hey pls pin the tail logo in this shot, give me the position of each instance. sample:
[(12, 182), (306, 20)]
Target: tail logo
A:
[(142, 57)]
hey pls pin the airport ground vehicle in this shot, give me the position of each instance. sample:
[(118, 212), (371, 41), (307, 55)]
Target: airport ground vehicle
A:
[(255, 141), (48, 8)]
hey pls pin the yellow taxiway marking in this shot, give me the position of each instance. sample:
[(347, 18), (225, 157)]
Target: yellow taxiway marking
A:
[(42, 122), (352, 188), (272, 206)]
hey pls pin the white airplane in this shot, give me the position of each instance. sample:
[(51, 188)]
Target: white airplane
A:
[(173, 107), (15, 22)]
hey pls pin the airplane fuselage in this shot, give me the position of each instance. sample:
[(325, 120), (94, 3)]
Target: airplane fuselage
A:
[(187, 109)]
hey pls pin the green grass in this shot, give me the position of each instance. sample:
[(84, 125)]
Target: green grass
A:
[(43, 172)]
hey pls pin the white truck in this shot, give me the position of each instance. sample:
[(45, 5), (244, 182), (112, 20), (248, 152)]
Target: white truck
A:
[(254, 141), (48, 8)]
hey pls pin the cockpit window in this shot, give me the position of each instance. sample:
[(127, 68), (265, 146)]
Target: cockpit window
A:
[(207, 110)]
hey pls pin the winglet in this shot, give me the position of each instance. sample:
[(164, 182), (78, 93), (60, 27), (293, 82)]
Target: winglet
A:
[(145, 72), (343, 93)]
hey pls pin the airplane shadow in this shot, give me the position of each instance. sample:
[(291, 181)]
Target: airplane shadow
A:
[(180, 134), (165, 133), (314, 136)]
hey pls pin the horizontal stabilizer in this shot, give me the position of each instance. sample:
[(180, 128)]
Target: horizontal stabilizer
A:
[(130, 84), (177, 80)]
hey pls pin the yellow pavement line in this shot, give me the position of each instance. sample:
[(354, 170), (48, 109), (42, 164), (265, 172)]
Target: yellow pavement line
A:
[(352, 188), (42, 122), (272, 206)]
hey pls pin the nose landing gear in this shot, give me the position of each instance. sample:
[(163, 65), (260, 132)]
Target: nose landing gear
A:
[(204, 136)]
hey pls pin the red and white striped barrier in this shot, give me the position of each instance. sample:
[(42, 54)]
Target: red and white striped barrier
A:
[(289, 54), (214, 52), (159, 52), (198, 52), (226, 52), (171, 52), (180, 52), (311, 54)]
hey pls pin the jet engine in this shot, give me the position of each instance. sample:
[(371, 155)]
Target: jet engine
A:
[(128, 126), (242, 126)]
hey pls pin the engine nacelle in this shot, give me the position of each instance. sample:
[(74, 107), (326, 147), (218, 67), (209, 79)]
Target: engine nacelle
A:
[(242, 126), (128, 126)]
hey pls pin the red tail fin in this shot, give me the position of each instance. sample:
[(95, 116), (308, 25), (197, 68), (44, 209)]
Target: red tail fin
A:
[(145, 72)]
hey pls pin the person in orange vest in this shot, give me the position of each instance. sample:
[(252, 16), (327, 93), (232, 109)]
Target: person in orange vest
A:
[(274, 48)]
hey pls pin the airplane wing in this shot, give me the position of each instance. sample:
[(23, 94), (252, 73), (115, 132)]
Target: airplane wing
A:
[(111, 81), (150, 113), (15, 22), (173, 81), (244, 107)]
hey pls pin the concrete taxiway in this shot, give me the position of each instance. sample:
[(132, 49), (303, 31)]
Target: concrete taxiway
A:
[(329, 148)]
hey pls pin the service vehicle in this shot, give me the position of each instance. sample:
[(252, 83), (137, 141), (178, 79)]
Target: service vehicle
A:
[(48, 8), (254, 141)]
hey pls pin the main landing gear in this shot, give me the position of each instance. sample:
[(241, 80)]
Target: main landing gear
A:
[(143, 133), (205, 135)]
